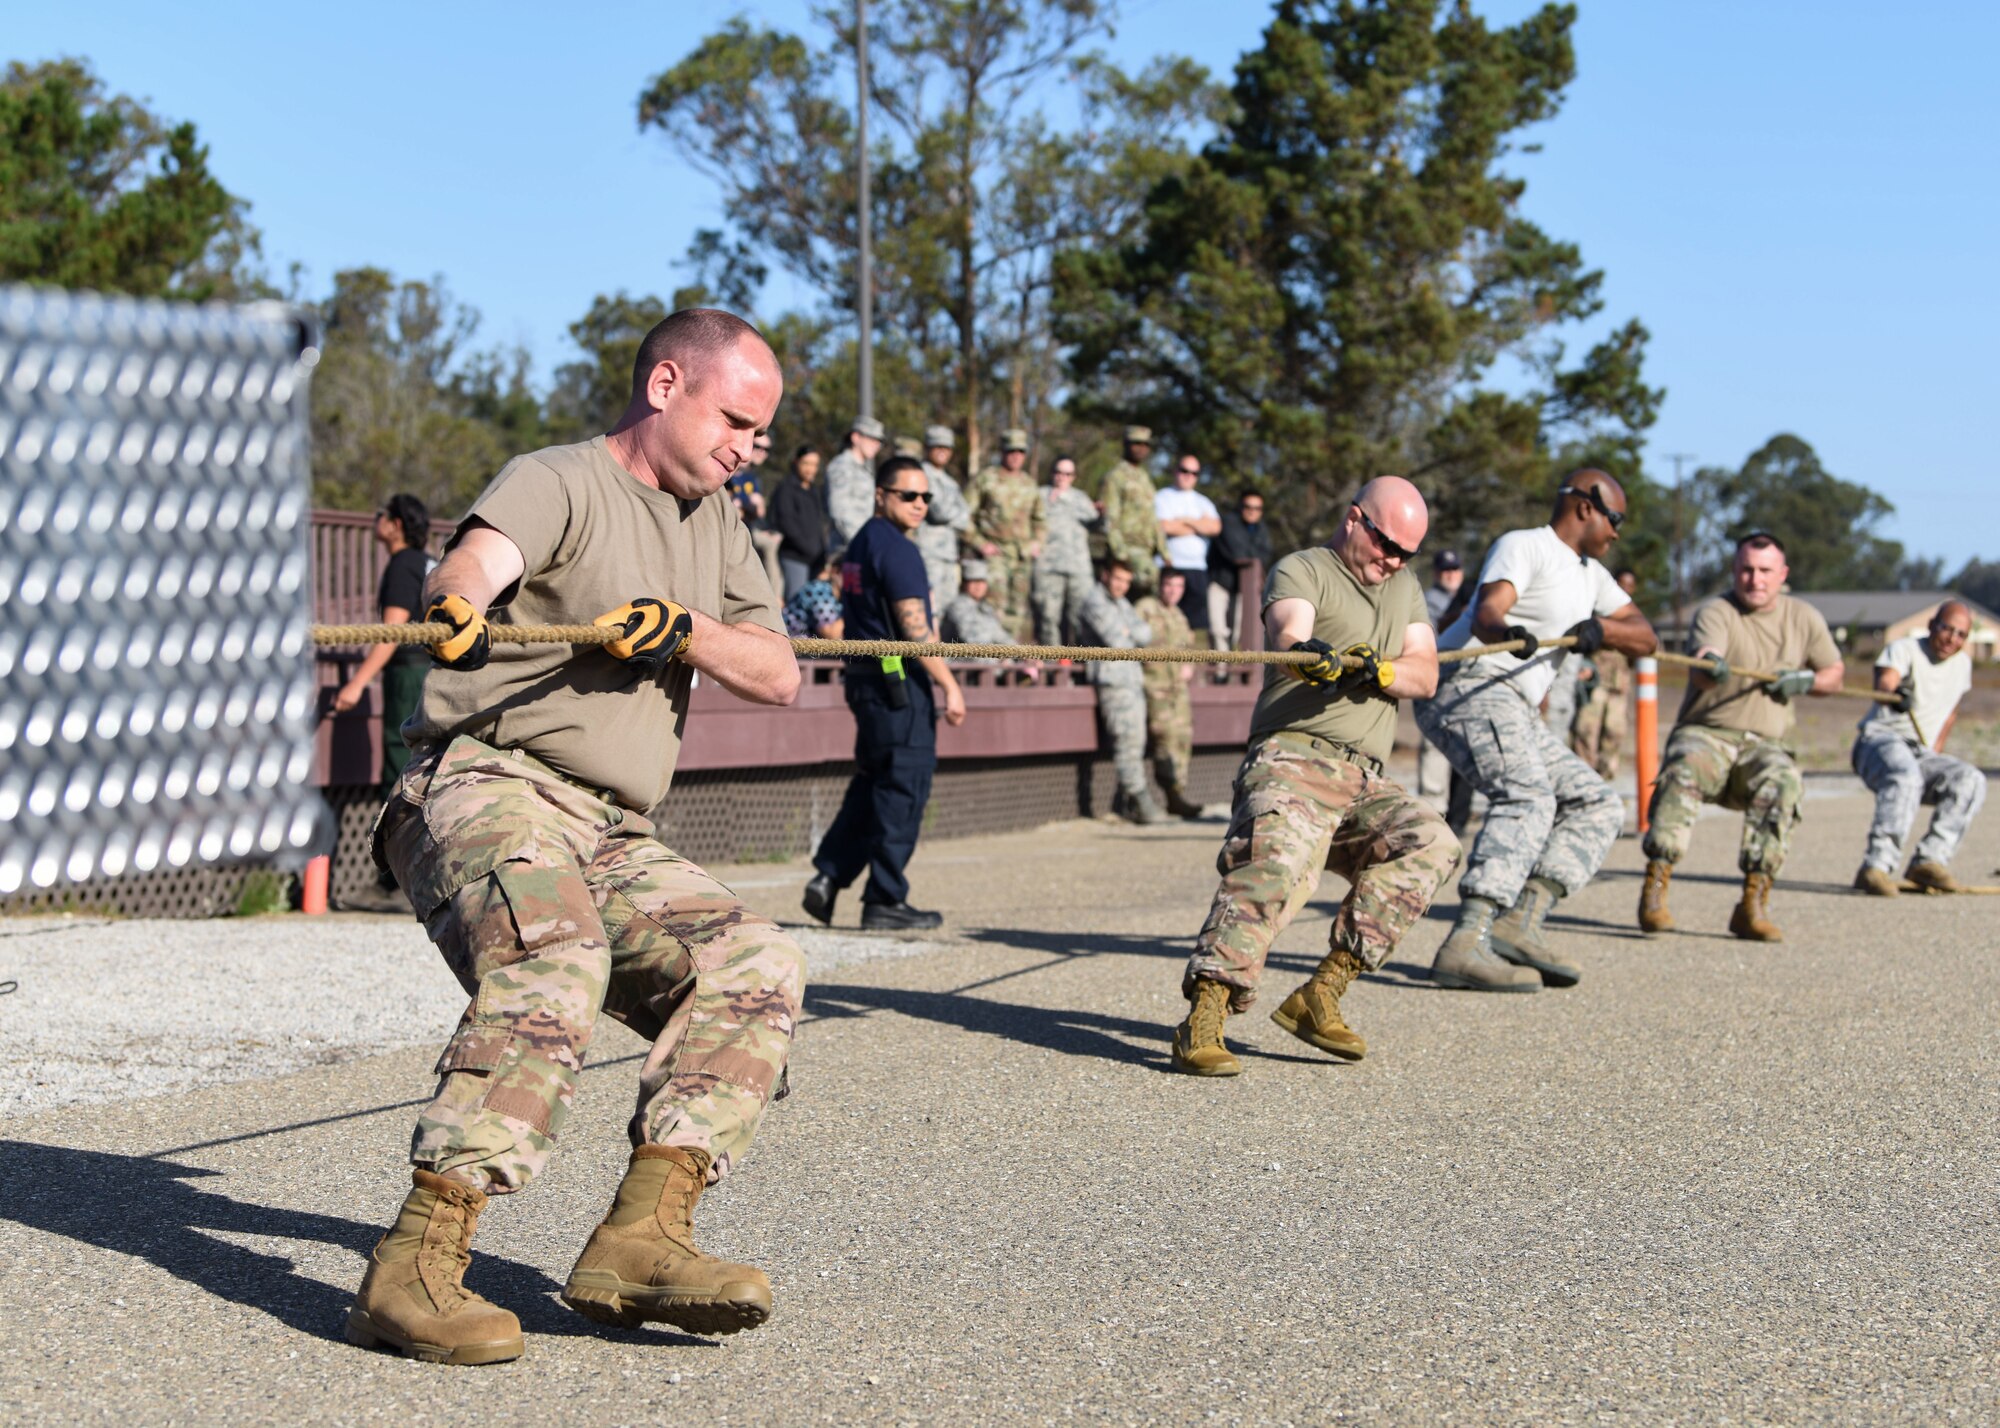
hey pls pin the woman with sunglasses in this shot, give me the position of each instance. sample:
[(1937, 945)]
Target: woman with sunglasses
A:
[(1551, 819)]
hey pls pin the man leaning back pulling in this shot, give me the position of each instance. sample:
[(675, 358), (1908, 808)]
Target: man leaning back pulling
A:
[(519, 831)]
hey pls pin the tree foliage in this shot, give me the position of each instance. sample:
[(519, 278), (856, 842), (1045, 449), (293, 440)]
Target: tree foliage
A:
[(1827, 524), (401, 403), (976, 187), (1315, 298), (98, 192)]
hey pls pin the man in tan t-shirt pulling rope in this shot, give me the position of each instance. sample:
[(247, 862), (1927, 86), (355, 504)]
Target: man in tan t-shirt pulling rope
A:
[(519, 831), (1311, 793), (1728, 743)]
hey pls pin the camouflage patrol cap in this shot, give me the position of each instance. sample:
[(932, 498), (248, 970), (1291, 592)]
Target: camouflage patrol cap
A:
[(868, 427), (1014, 438), (939, 436), (972, 570), (1138, 436), (907, 446)]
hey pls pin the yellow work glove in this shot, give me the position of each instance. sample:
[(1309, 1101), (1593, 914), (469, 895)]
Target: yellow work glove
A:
[(654, 632), (468, 646), (1322, 673), (1373, 675)]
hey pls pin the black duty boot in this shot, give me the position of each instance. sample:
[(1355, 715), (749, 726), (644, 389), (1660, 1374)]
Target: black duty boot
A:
[(818, 901), (897, 917)]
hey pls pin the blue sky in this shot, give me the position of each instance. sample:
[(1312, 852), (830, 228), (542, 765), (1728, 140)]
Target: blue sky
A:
[(1799, 200)]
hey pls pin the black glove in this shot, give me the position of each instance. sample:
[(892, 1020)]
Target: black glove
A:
[(468, 646), (1906, 698), (654, 632), (1520, 632), (1589, 635), (1324, 673)]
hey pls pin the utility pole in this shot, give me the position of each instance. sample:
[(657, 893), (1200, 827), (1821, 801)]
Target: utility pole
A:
[(865, 261), (1677, 561)]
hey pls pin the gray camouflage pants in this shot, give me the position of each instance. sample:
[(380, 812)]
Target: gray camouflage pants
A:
[(1124, 714), (1551, 816), (1903, 776)]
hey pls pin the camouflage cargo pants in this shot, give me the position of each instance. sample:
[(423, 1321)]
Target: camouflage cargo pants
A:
[(1122, 709), (1737, 771), (1170, 729), (1058, 602), (1298, 809), (1599, 731), (1549, 815), (549, 905), (1903, 777), (1010, 576)]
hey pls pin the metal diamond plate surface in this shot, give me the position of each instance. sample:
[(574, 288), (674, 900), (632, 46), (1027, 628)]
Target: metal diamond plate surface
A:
[(156, 678)]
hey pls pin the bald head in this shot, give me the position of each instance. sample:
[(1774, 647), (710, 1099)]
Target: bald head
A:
[(1383, 529), (1590, 506)]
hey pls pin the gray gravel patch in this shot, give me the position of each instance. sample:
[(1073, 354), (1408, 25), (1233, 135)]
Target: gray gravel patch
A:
[(110, 1009)]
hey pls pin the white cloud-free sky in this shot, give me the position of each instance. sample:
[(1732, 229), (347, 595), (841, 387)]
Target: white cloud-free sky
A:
[(1800, 200)]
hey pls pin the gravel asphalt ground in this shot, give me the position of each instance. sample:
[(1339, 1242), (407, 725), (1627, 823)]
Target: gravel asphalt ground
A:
[(1715, 1183)]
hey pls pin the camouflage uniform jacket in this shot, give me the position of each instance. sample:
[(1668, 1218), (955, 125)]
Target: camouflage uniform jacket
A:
[(1614, 672), (972, 622), (850, 494), (1115, 625), (1170, 632), (1006, 508), (1071, 516), (1131, 529)]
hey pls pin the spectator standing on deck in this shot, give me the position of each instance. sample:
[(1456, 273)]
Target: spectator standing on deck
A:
[(798, 514), (1062, 577), (1188, 522), (1110, 621), (946, 522), (1244, 538), (884, 596), (1169, 710), (850, 479), (1131, 529), (1900, 755)]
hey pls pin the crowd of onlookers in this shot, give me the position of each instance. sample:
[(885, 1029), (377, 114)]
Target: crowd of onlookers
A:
[(801, 518)]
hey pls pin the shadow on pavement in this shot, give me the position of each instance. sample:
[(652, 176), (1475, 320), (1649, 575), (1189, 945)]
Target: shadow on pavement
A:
[(140, 1205), (1735, 880), (1065, 1029)]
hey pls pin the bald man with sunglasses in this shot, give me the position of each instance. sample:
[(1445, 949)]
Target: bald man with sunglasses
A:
[(1311, 793), (1551, 820)]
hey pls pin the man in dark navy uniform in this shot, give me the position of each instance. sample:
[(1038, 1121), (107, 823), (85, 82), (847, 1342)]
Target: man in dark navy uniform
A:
[(885, 595)]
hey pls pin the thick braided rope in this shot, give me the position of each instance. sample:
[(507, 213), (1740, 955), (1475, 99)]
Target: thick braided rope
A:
[(429, 634)]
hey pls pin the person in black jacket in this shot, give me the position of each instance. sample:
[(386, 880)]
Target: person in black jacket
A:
[(797, 512), (1244, 537)]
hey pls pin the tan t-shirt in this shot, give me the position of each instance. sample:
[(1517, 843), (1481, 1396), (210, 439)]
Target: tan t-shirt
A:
[(594, 538), (1345, 612), (1787, 634)]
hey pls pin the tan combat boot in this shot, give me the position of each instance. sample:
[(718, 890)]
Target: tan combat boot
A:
[(1876, 883), (641, 1263), (1199, 1048), (1653, 913), (1752, 918), (413, 1297), (1934, 878), (1466, 962), (1312, 1013), (1517, 934), (1179, 804)]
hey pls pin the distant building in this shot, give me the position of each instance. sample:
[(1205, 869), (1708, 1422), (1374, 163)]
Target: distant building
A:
[(1863, 621)]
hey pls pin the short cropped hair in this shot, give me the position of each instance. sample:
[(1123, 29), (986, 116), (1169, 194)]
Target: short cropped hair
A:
[(412, 515), (688, 337), (1760, 540), (889, 468)]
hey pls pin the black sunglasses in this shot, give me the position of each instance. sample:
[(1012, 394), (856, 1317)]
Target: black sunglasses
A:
[(1389, 547), (902, 495), (1595, 496)]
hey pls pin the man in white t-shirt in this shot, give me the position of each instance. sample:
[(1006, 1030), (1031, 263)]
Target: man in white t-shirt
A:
[(1899, 755), (1551, 819), (1189, 521)]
